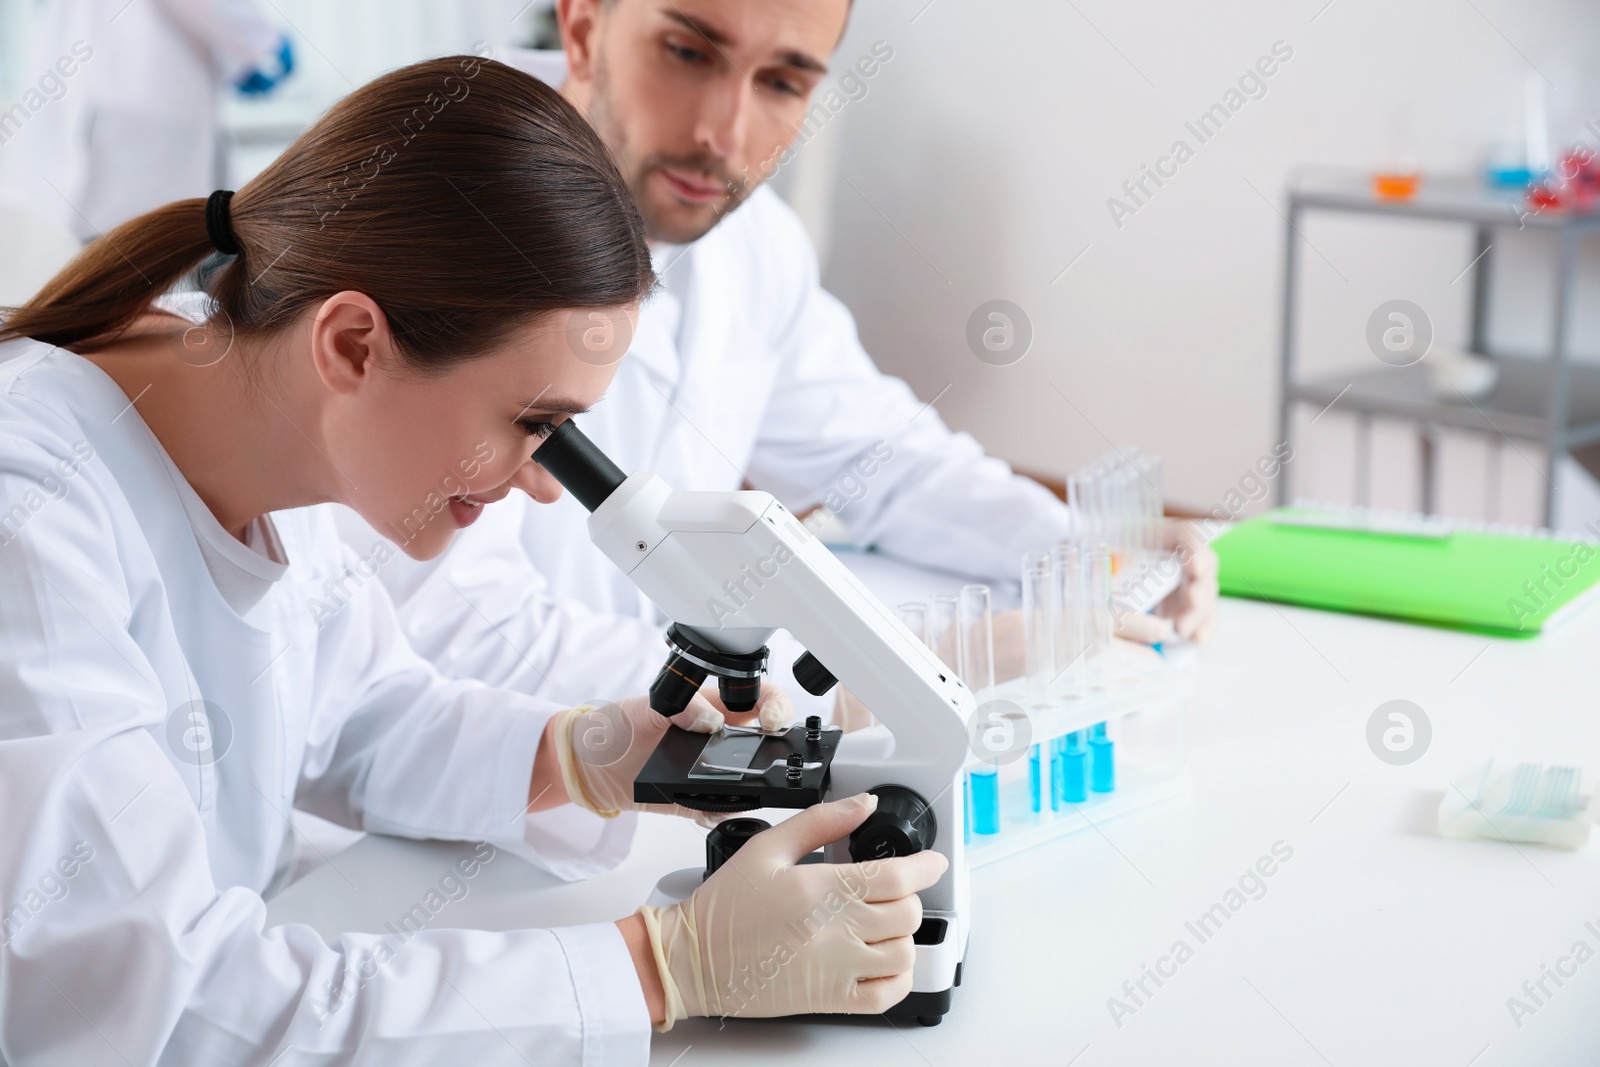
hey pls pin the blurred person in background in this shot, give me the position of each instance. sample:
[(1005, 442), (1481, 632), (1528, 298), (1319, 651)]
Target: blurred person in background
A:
[(118, 112)]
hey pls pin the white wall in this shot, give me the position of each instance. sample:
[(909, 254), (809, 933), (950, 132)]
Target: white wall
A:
[(979, 163)]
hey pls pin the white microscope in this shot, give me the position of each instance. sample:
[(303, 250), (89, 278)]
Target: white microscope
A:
[(729, 569)]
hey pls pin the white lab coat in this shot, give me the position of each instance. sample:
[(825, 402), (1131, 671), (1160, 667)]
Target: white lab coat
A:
[(139, 840), (742, 368), (135, 124)]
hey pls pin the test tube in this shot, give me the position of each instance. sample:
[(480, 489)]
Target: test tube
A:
[(975, 640), (943, 627), (1154, 509), (1074, 767), (1040, 608), (1110, 519), (1056, 746), (974, 626), (1080, 500), (1111, 502), (1039, 611), (914, 613), (1102, 770), (1071, 603), (1100, 621), (1035, 777), (985, 784)]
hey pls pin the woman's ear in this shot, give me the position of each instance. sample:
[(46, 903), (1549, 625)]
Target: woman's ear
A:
[(349, 339)]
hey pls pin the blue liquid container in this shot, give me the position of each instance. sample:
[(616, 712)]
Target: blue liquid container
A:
[(1055, 774), (1102, 766), (985, 800), (1074, 768), (1514, 176), (1034, 776)]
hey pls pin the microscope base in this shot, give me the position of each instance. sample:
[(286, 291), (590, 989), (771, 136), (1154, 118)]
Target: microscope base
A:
[(929, 1009)]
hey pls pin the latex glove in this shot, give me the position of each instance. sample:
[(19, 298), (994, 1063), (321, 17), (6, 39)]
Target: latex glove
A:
[(1192, 607), (1190, 610), (849, 714), (261, 80), (602, 747), (767, 935)]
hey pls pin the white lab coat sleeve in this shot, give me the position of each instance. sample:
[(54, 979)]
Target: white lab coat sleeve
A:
[(840, 433), (481, 609), (396, 747), (117, 945), (238, 35)]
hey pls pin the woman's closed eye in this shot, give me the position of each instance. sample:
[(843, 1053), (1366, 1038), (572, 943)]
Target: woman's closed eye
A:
[(540, 428)]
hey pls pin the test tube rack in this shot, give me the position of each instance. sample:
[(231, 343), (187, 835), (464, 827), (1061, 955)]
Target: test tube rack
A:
[(1138, 682)]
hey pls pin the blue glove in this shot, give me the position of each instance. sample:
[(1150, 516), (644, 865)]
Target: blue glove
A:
[(259, 82)]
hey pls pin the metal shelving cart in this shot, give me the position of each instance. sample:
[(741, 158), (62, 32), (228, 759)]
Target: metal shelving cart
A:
[(1548, 400)]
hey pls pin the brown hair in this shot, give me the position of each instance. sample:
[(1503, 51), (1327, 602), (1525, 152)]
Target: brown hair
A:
[(464, 197)]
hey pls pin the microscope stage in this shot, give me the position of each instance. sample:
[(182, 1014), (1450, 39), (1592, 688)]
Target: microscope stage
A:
[(736, 770)]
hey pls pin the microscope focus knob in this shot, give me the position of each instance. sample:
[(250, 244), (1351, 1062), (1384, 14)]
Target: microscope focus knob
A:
[(902, 825), (813, 677)]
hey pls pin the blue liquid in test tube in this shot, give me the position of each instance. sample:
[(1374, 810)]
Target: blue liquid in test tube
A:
[(1055, 774), (986, 800), (1102, 772), (1033, 776), (1074, 768)]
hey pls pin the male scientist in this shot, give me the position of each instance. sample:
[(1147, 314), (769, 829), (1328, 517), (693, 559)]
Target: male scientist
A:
[(742, 369)]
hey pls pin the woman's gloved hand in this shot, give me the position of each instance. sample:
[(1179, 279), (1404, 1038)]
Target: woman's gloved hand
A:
[(268, 74), (602, 747), (766, 935)]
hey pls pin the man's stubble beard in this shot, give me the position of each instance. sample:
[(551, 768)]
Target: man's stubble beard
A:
[(636, 173)]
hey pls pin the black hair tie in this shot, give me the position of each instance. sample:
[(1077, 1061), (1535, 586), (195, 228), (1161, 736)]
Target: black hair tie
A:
[(218, 225)]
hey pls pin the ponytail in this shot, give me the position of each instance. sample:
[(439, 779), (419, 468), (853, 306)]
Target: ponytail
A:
[(113, 281)]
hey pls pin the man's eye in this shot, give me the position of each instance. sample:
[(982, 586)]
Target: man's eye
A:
[(784, 86), (540, 428), (688, 55)]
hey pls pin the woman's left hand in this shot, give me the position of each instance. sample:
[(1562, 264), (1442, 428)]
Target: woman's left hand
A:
[(602, 747)]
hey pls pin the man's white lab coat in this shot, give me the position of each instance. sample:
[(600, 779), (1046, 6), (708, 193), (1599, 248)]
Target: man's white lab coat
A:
[(167, 695)]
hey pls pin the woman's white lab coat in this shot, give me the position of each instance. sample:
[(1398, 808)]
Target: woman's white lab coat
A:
[(128, 120), (167, 695)]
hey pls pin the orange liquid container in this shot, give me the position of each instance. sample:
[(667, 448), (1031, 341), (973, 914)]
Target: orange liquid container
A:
[(1395, 186)]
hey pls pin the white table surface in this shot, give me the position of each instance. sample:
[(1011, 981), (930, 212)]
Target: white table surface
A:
[(1377, 943)]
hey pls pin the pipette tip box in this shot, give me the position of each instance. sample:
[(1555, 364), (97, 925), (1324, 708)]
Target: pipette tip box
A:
[(1529, 803)]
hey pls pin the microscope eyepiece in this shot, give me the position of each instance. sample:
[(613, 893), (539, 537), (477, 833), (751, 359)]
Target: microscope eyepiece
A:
[(579, 465)]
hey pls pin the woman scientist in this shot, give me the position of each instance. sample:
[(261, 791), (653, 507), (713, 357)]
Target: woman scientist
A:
[(389, 333)]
